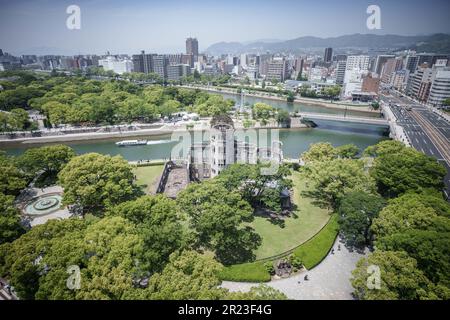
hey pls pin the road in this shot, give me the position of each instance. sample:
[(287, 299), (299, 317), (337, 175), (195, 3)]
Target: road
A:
[(427, 131)]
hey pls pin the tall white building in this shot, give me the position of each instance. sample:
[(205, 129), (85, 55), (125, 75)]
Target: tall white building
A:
[(116, 65), (357, 67), (440, 88), (358, 62)]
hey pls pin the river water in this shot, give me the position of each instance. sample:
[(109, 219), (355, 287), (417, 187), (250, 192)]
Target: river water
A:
[(295, 141)]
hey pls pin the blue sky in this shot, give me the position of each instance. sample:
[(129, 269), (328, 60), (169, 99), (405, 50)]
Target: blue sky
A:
[(122, 26)]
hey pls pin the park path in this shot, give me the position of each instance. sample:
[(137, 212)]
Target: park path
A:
[(330, 280)]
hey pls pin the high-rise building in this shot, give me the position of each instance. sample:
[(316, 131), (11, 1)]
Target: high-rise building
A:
[(328, 56), (192, 47), (143, 62), (160, 63), (390, 67), (440, 87), (399, 79), (277, 69), (358, 62), (380, 61), (411, 63), (176, 71), (340, 71)]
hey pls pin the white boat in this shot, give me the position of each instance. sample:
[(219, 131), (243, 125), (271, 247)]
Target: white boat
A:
[(126, 143)]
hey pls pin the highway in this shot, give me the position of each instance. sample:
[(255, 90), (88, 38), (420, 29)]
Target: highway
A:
[(426, 131)]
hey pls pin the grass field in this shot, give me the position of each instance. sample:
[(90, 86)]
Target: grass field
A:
[(312, 252), (147, 177), (304, 223), (248, 272), (312, 229)]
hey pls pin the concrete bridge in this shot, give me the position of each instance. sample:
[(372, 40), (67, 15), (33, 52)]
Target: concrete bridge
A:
[(345, 118)]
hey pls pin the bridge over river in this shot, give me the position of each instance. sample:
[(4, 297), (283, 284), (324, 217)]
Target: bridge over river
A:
[(339, 117)]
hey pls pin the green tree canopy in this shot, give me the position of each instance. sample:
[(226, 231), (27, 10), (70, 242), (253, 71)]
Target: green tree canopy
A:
[(218, 215), (356, 212), (400, 279), (10, 226), (97, 181)]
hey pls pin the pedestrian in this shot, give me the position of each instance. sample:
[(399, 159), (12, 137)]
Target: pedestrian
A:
[(339, 247), (306, 278), (332, 251)]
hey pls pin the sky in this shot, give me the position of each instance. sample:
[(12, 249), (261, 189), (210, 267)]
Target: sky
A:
[(121, 26)]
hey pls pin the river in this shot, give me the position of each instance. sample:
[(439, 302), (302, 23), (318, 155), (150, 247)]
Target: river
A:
[(295, 141), (299, 106)]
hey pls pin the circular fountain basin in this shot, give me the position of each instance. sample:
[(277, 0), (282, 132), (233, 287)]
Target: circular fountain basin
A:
[(43, 205)]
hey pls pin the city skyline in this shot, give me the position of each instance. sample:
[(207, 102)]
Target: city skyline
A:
[(124, 27)]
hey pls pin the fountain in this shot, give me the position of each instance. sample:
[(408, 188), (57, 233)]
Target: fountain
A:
[(43, 205)]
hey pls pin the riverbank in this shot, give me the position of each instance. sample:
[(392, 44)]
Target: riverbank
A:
[(307, 101), (88, 136)]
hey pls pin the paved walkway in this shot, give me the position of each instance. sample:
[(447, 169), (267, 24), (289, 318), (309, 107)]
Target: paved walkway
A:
[(330, 280)]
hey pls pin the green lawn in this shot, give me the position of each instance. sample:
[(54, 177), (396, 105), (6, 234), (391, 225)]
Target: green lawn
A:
[(248, 272), (311, 229), (313, 251), (304, 223), (147, 177)]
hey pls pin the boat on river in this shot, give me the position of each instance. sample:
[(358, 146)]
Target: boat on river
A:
[(127, 143)]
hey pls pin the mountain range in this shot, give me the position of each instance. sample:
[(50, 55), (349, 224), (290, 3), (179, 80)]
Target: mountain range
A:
[(439, 43)]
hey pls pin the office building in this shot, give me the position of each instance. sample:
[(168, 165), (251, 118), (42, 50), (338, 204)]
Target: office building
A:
[(399, 79), (192, 47), (177, 71), (119, 66), (328, 56), (390, 67), (277, 70), (380, 61), (340, 71), (440, 87), (143, 62), (160, 63)]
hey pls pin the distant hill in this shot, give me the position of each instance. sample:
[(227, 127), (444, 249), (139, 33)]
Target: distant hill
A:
[(440, 43)]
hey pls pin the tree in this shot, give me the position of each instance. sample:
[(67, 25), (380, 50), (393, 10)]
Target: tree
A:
[(22, 260), (400, 279), (257, 188), (349, 151), (262, 111), (382, 148), (12, 179), (356, 212), (10, 227), (283, 117), (333, 179), (196, 279), (446, 102), (290, 97), (158, 224), (403, 213), (48, 159), (218, 215), (406, 170), (260, 292), (321, 151), (375, 105), (97, 181), (430, 248)]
